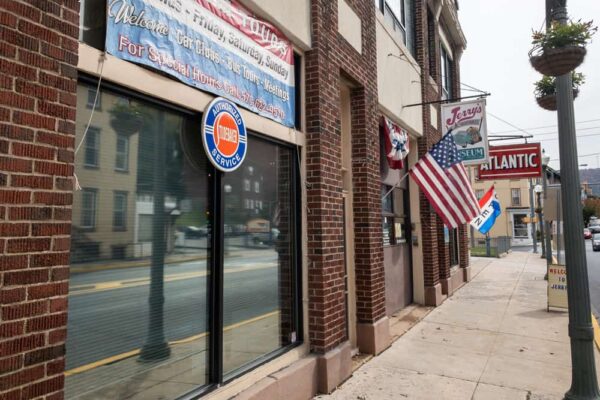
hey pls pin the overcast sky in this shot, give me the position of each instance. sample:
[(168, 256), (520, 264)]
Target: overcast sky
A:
[(496, 61)]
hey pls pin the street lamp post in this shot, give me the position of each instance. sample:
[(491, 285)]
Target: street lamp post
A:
[(546, 224), (538, 189), (584, 383), (532, 216)]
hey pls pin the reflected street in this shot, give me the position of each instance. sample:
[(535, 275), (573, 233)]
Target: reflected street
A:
[(108, 310)]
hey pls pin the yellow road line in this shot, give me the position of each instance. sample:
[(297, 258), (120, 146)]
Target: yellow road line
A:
[(122, 356), (100, 363), (596, 331), (129, 283)]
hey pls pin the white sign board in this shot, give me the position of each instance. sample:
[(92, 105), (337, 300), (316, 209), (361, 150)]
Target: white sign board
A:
[(469, 127), (557, 287)]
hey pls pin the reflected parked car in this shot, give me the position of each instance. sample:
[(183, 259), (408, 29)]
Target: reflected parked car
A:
[(596, 242), (587, 234), (193, 232)]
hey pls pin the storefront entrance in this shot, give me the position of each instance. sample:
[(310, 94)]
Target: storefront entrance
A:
[(521, 230)]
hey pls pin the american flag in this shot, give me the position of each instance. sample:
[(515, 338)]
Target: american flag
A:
[(443, 179)]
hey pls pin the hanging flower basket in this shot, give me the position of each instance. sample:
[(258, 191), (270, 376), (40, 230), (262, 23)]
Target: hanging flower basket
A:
[(126, 119), (548, 102), (557, 62), (561, 48), (545, 90)]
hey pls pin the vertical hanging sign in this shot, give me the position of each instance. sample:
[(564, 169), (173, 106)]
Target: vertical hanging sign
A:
[(214, 45), (469, 128)]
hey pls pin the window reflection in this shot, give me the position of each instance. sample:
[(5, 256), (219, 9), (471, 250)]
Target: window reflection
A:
[(139, 254), (257, 261)]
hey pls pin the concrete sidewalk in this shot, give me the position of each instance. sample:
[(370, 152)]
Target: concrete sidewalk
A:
[(492, 340)]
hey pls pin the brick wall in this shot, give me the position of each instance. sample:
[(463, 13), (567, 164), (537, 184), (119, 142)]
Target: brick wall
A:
[(463, 231), (38, 77), (436, 258), (430, 222), (330, 59)]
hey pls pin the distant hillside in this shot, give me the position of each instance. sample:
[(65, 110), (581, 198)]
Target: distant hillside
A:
[(591, 176)]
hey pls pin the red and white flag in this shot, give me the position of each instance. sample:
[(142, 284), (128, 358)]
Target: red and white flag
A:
[(442, 177), (396, 144)]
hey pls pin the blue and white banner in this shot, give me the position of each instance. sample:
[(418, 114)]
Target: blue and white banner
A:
[(214, 45), (490, 210)]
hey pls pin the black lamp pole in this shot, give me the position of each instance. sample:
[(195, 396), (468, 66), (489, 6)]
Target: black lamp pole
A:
[(584, 383), (156, 347)]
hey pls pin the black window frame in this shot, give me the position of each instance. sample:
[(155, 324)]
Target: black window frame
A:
[(124, 168), (512, 197), (446, 72), (215, 375), (396, 215), (123, 227), (404, 23), (96, 133), (454, 248), (92, 227)]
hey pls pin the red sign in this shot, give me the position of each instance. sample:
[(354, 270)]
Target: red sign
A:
[(513, 162)]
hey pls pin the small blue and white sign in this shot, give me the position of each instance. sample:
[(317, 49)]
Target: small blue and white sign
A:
[(224, 135)]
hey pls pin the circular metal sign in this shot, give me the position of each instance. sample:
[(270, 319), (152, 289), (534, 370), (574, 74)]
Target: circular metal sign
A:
[(224, 135)]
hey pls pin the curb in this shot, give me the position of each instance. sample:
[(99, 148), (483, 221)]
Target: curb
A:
[(596, 331)]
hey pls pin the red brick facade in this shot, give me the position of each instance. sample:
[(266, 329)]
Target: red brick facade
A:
[(38, 78), (436, 254), (38, 82), (331, 60)]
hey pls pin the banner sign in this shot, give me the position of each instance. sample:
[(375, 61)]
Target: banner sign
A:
[(214, 45), (224, 135), (513, 161), (469, 128), (396, 143)]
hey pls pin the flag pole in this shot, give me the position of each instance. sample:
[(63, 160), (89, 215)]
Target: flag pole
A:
[(395, 186)]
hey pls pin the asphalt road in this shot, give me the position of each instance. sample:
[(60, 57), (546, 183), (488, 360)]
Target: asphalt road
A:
[(108, 310), (593, 264)]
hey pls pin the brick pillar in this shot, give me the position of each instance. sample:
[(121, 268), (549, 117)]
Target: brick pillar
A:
[(38, 81), (430, 222), (444, 258), (330, 59), (463, 231)]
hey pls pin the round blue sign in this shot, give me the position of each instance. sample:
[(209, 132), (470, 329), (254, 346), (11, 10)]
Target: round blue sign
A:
[(224, 135)]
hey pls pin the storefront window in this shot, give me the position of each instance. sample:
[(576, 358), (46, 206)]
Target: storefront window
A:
[(453, 247), (392, 207), (147, 270), (258, 303), (140, 250)]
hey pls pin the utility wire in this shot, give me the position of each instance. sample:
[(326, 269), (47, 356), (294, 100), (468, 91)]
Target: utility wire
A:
[(578, 137), (508, 123), (546, 126), (556, 133)]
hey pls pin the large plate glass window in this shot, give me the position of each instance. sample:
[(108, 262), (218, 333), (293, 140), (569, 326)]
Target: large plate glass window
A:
[(258, 283), (176, 286), (140, 250)]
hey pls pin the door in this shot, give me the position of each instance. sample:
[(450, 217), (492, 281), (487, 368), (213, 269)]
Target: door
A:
[(520, 229)]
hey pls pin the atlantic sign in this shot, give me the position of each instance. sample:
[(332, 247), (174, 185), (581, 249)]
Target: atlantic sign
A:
[(469, 129), (513, 162), (214, 45)]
